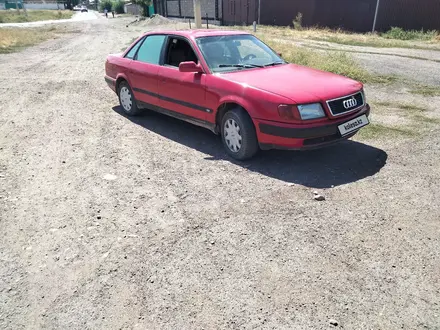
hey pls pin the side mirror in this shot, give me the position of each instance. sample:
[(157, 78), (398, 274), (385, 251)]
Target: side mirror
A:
[(280, 55), (190, 67)]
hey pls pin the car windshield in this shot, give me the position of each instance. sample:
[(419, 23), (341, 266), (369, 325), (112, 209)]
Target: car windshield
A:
[(236, 52)]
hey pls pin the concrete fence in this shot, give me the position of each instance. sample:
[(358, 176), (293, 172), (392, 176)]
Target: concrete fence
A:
[(50, 5)]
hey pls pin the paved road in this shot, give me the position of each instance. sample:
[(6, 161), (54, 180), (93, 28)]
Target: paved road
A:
[(78, 16), (109, 222)]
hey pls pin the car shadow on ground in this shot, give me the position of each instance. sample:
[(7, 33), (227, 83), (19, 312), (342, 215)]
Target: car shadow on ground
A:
[(342, 163)]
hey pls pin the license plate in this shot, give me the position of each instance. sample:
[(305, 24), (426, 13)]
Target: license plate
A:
[(353, 125)]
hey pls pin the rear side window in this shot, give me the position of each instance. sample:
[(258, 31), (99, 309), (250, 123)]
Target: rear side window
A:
[(150, 50), (133, 50)]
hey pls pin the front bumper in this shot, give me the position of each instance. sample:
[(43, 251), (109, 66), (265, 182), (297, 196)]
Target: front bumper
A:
[(274, 135)]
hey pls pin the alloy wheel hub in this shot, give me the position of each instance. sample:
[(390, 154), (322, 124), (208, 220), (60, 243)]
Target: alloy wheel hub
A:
[(125, 97), (232, 135)]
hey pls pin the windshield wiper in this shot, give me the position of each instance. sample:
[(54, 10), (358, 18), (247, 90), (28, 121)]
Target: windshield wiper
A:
[(274, 63), (240, 66)]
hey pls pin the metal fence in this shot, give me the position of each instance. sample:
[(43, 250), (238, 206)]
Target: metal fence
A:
[(239, 12), (211, 9), (409, 14), (354, 15)]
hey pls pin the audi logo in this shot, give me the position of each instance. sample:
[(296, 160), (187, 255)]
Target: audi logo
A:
[(350, 103)]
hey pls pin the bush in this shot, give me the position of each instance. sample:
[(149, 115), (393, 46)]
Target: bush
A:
[(401, 34), (297, 22), (118, 7), (105, 4)]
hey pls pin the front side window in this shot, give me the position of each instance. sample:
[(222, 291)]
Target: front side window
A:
[(236, 52), (179, 51), (133, 50), (150, 50)]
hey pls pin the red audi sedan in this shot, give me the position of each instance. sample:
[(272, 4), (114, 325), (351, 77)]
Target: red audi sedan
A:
[(236, 86)]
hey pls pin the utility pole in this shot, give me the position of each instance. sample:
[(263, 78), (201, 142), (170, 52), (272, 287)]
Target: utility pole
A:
[(198, 14), (375, 16)]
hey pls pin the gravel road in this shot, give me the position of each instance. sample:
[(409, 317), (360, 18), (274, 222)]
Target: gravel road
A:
[(108, 222)]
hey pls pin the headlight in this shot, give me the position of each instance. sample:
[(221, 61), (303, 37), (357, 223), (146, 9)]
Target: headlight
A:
[(311, 111)]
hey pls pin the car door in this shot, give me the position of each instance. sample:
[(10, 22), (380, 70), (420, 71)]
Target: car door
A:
[(144, 68), (182, 92)]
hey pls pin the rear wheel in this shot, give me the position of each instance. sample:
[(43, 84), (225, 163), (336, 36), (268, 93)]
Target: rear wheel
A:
[(238, 134), (127, 100)]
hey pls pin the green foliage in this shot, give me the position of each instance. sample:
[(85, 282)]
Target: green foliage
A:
[(297, 22), (426, 90), (144, 5), (118, 6), (376, 131), (105, 4), (401, 34)]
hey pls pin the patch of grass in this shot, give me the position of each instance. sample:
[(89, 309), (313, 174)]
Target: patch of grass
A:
[(374, 131), (15, 39), (401, 34), (382, 79), (411, 107), (356, 51), (426, 90), (297, 22), (371, 40), (336, 62), (427, 120), (13, 16), (383, 104)]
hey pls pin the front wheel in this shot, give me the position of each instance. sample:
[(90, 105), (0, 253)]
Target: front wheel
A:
[(127, 100), (238, 135)]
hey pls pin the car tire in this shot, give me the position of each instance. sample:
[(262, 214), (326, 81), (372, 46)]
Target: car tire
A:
[(238, 134), (127, 100)]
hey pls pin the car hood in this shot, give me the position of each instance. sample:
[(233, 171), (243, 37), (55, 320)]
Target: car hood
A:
[(299, 83)]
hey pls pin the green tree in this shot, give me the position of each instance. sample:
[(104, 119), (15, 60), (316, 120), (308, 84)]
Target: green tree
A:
[(144, 5), (118, 6), (69, 4), (105, 4)]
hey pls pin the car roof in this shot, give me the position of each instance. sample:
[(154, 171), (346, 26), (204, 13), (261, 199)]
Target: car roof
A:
[(199, 33)]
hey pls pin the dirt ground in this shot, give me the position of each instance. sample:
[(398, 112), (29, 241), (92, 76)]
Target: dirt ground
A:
[(108, 222)]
